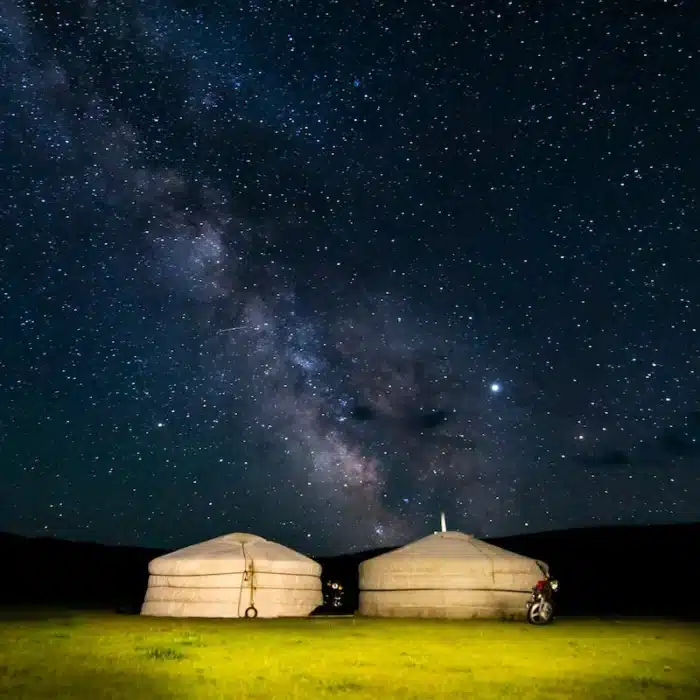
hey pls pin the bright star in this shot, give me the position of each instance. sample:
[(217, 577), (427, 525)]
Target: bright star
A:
[(495, 388)]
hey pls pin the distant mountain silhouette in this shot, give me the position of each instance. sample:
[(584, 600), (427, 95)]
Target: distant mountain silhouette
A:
[(48, 571), (636, 570)]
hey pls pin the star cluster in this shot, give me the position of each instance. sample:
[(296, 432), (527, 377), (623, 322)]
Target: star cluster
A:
[(320, 270)]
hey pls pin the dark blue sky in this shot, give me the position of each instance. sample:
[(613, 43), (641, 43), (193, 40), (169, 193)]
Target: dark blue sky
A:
[(247, 249)]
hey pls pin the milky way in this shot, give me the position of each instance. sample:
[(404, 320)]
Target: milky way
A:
[(321, 272)]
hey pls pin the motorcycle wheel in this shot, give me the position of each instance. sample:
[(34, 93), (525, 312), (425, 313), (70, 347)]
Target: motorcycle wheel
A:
[(540, 613)]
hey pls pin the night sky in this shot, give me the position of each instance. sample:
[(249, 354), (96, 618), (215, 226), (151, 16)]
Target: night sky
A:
[(319, 270)]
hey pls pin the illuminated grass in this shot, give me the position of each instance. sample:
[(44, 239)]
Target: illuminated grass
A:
[(86, 656)]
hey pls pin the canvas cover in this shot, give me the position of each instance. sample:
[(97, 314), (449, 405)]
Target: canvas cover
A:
[(231, 574), (229, 554), (448, 574)]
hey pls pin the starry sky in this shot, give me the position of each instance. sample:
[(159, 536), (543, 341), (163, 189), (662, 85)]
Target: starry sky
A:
[(321, 269)]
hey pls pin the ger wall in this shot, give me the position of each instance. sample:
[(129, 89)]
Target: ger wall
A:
[(262, 580), (449, 575), (455, 604), (229, 595), (230, 602)]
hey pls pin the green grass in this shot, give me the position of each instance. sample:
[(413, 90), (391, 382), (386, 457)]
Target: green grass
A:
[(84, 656)]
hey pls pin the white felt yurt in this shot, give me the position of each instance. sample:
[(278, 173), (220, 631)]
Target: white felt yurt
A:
[(448, 574), (236, 575)]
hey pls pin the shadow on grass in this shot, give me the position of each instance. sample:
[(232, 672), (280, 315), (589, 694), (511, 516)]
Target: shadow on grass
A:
[(642, 687), (74, 681), (36, 614)]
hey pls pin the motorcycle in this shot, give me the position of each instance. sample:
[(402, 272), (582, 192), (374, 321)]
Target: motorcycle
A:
[(540, 607)]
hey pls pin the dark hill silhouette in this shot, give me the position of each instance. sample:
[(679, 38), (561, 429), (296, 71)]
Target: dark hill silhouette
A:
[(603, 570), (47, 571), (636, 570)]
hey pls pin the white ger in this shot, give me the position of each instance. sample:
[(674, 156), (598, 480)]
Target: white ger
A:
[(236, 575), (451, 575)]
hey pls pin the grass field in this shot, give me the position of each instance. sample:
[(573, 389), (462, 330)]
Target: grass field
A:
[(87, 656)]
